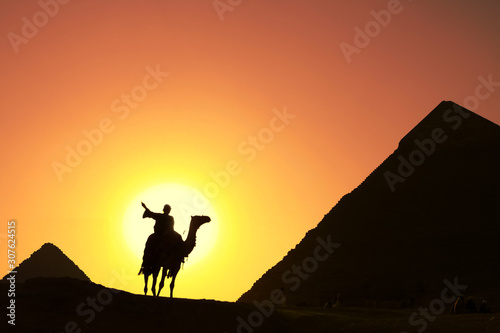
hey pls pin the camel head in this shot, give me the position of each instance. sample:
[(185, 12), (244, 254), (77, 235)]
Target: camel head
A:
[(198, 220)]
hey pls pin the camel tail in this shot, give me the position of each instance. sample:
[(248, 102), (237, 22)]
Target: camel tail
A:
[(141, 271)]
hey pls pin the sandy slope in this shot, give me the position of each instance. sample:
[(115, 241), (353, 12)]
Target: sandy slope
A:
[(70, 305)]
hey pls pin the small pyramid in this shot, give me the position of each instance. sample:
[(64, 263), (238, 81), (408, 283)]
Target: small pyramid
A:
[(48, 261)]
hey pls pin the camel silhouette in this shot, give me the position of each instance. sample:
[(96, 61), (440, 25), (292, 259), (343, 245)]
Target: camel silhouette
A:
[(171, 258)]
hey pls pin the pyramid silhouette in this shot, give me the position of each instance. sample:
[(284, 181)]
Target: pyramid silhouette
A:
[(429, 212), (48, 261)]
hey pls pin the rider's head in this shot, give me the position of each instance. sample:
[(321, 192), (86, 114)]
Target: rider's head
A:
[(166, 209)]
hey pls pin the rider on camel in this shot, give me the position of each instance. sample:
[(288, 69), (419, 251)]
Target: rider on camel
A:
[(163, 238)]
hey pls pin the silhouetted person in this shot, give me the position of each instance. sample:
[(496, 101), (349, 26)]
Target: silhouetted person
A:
[(164, 221), (163, 238), (484, 308), (470, 305)]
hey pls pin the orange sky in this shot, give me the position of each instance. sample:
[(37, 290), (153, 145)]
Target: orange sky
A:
[(227, 81)]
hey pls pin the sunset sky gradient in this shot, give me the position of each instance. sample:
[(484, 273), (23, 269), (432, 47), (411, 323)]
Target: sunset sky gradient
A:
[(265, 96)]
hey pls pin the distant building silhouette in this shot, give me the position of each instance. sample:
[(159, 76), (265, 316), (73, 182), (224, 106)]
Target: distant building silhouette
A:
[(48, 261), (440, 220)]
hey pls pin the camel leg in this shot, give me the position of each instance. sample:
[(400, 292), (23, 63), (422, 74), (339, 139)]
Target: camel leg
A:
[(146, 276), (172, 283), (155, 277), (162, 282)]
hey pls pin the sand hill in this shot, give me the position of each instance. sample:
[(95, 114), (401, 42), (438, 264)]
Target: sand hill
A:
[(71, 305)]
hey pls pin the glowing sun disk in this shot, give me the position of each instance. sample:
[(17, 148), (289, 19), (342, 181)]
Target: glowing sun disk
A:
[(185, 202)]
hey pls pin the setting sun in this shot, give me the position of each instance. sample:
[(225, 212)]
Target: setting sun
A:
[(185, 202)]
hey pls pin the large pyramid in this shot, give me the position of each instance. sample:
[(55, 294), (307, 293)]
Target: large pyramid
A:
[(48, 261), (429, 212)]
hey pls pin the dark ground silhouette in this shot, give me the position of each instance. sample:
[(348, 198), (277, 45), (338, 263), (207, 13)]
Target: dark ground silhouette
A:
[(56, 304)]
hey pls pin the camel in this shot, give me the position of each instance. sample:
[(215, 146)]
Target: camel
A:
[(171, 259)]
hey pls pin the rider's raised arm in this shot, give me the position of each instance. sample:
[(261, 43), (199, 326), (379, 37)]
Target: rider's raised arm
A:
[(148, 213)]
